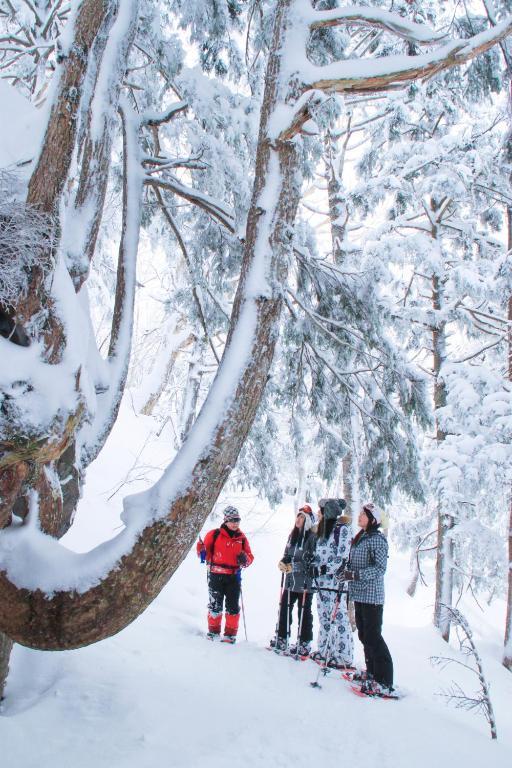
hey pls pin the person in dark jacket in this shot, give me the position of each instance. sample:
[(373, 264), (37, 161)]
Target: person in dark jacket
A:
[(226, 550), (335, 642), (365, 576), (295, 563)]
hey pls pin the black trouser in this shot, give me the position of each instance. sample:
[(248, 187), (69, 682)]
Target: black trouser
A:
[(285, 615), (223, 586), (379, 663)]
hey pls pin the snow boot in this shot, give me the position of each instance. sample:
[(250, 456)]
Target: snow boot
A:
[(302, 649), (279, 645)]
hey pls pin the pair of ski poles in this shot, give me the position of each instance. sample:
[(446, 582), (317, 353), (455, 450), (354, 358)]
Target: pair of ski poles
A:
[(302, 611)]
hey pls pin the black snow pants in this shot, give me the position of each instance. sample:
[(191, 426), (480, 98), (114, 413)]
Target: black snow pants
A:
[(285, 615), (223, 587), (379, 663)]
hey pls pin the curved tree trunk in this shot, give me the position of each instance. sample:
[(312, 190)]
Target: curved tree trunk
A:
[(67, 619)]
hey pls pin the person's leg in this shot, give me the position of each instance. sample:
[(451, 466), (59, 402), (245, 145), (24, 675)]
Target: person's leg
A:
[(215, 603), (284, 617), (232, 592), (375, 646), (343, 651), (361, 626), (306, 617), (325, 638)]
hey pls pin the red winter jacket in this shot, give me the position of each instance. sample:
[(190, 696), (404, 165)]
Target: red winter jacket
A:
[(226, 549)]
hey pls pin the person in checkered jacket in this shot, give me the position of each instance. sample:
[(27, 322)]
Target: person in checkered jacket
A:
[(365, 576)]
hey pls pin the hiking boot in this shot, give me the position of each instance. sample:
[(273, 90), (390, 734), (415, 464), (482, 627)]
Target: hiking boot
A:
[(279, 644), (303, 649), (373, 688)]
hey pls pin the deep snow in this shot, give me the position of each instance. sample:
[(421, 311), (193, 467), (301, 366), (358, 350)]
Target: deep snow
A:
[(159, 694)]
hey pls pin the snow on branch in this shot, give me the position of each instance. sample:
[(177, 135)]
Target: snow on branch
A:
[(374, 17), (360, 75), (26, 240), (213, 207), (158, 118), (94, 435)]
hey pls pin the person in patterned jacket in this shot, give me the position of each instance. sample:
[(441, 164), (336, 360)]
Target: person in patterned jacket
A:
[(365, 576), (226, 550), (335, 642)]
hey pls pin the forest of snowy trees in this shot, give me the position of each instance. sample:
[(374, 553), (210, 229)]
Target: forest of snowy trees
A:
[(288, 224)]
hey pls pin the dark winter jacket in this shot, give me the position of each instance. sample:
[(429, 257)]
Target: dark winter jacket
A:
[(222, 550), (300, 556), (368, 559)]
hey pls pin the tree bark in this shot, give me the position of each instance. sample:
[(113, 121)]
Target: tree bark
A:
[(47, 181), (6, 645), (445, 521)]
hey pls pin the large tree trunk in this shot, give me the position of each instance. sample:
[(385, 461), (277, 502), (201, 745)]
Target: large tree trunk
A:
[(177, 508)]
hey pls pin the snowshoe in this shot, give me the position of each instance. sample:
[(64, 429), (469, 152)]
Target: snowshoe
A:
[(231, 639), (370, 689)]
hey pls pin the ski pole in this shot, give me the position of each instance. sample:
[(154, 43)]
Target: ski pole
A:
[(281, 592), (243, 610)]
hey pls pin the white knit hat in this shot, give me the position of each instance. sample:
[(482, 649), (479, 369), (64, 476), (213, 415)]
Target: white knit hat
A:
[(374, 511)]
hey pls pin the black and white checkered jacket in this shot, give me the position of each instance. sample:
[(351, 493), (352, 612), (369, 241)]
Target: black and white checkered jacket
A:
[(368, 558)]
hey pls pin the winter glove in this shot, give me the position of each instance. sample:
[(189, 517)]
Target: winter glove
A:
[(284, 567), (242, 559), (202, 555), (286, 559), (347, 576)]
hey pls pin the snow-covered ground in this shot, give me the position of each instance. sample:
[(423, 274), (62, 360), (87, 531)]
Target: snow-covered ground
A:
[(159, 694)]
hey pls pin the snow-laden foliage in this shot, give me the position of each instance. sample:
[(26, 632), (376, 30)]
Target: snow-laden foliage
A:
[(26, 236)]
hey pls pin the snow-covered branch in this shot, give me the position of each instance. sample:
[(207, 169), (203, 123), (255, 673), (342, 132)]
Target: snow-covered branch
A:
[(213, 207), (358, 76), (94, 435), (356, 15)]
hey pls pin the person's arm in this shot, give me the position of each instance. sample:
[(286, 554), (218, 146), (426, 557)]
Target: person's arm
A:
[(208, 544), (378, 547), (246, 550)]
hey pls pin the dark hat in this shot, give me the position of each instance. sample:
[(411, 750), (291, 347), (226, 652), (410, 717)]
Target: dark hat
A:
[(231, 515), (333, 508)]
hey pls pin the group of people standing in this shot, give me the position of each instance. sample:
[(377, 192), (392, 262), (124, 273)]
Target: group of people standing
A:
[(321, 557)]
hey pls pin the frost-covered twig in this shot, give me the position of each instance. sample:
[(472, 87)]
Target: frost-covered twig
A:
[(26, 242), (481, 700)]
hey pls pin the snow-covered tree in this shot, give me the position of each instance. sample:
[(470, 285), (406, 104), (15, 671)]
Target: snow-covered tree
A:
[(67, 601)]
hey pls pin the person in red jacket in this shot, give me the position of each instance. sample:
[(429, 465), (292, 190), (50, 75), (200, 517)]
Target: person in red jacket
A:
[(226, 551)]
